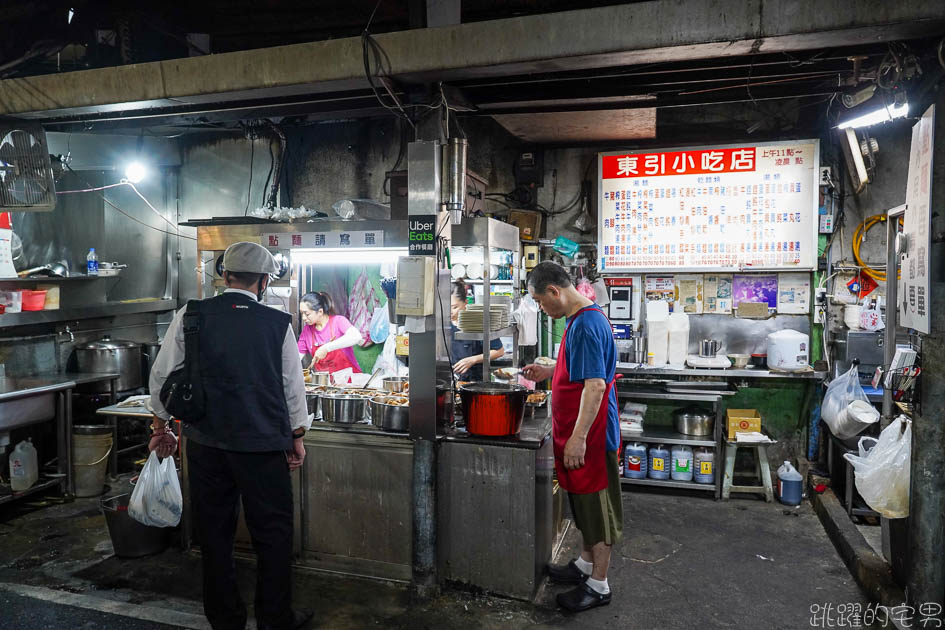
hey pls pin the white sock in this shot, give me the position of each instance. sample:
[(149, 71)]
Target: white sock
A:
[(600, 586), (586, 567)]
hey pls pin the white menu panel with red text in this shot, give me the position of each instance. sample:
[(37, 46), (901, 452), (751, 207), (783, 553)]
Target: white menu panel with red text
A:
[(727, 208)]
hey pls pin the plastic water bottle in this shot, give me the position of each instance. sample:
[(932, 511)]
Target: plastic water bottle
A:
[(635, 464), (91, 263), (682, 463), (704, 468), (789, 485), (24, 466), (659, 463)]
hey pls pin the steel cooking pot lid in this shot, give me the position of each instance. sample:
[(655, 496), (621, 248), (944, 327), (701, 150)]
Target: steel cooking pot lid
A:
[(693, 410), (493, 388), (107, 343)]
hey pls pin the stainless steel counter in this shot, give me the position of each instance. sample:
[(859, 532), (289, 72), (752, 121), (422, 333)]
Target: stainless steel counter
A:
[(41, 398), (534, 433), (27, 386), (632, 369), (495, 510), (356, 501)]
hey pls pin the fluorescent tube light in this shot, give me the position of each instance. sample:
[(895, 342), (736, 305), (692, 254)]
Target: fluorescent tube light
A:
[(881, 115), (347, 256)]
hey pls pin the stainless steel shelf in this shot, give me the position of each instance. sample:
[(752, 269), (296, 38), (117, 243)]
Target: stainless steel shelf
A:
[(631, 369), (669, 483), (480, 281), (50, 280), (477, 336), (665, 435), (85, 312), (630, 393), (38, 487)]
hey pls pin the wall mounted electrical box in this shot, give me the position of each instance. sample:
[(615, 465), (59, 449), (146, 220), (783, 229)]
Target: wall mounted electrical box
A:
[(415, 276)]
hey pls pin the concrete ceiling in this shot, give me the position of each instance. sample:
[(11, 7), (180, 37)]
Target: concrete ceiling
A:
[(676, 54), (581, 126)]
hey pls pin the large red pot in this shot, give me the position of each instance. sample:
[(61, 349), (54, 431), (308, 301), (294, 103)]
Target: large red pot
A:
[(493, 409)]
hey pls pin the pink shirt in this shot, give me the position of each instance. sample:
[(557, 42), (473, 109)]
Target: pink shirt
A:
[(336, 327)]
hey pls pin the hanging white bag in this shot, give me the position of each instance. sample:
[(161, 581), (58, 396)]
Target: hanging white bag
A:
[(882, 472), (842, 391), (156, 499)]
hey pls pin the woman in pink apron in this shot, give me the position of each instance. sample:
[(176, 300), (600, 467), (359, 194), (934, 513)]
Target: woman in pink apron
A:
[(327, 338)]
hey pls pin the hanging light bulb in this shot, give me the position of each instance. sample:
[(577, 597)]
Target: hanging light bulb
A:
[(135, 171)]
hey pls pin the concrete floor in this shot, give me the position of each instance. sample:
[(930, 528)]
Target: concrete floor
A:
[(685, 561)]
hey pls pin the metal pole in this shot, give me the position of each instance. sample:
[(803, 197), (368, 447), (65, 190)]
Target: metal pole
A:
[(892, 303), (423, 200)]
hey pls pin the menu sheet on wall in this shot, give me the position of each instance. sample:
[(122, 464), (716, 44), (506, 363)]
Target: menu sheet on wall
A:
[(724, 208), (914, 279)]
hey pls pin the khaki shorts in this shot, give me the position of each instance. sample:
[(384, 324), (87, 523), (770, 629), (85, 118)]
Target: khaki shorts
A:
[(599, 515)]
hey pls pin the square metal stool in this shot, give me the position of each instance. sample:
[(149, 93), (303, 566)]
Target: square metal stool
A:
[(762, 470)]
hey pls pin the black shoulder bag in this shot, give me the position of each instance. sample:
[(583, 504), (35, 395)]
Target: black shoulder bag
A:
[(182, 393)]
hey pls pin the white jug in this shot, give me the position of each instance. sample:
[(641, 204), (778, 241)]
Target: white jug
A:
[(24, 466)]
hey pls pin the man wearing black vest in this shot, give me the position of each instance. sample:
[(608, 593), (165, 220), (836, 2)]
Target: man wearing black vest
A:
[(247, 442)]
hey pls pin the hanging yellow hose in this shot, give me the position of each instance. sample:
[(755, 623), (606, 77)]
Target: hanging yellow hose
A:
[(859, 235)]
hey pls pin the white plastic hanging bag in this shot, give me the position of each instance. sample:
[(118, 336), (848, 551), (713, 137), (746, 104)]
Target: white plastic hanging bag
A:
[(882, 472), (380, 324), (844, 390), (157, 500)]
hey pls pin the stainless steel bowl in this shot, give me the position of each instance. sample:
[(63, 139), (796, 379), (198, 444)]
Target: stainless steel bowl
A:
[(694, 421), (389, 417), (343, 408), (395, 384)]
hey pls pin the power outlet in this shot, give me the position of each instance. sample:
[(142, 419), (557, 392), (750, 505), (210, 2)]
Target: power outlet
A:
[(820, 296)]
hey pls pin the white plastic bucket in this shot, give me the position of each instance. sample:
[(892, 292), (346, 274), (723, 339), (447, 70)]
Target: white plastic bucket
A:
[(91, 446)]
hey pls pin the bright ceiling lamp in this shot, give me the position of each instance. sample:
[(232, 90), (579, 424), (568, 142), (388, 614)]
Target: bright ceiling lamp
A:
[(340, 256), (135, 172), (876, 116)]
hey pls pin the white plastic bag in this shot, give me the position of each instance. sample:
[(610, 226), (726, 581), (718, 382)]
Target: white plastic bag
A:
[(388, 362), (157, 500), (844, 390), (882, 472)]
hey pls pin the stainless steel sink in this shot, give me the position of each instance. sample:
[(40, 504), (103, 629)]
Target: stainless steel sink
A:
[(23, 411)]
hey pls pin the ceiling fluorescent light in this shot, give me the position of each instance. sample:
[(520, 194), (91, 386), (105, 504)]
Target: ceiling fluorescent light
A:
[(348, 256), (881, 115)]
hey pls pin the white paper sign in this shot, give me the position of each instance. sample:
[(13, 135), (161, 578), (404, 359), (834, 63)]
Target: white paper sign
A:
[(7, 270), (794, 293), (914, 282), (323, 240)]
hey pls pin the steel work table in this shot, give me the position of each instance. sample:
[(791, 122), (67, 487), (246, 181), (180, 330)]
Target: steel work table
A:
[(112, 413)]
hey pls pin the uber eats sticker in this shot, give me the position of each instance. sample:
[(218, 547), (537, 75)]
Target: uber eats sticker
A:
[(421, 230)]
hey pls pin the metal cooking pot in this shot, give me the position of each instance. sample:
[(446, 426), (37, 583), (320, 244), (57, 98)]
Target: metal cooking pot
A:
[(493, 409), (110, 356), (444, 403), (343, 408), (314, 400), (321, 378), (389, 417), (694, 421), (395, 384)]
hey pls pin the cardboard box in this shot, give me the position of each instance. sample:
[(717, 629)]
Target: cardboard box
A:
[(742, 421)]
